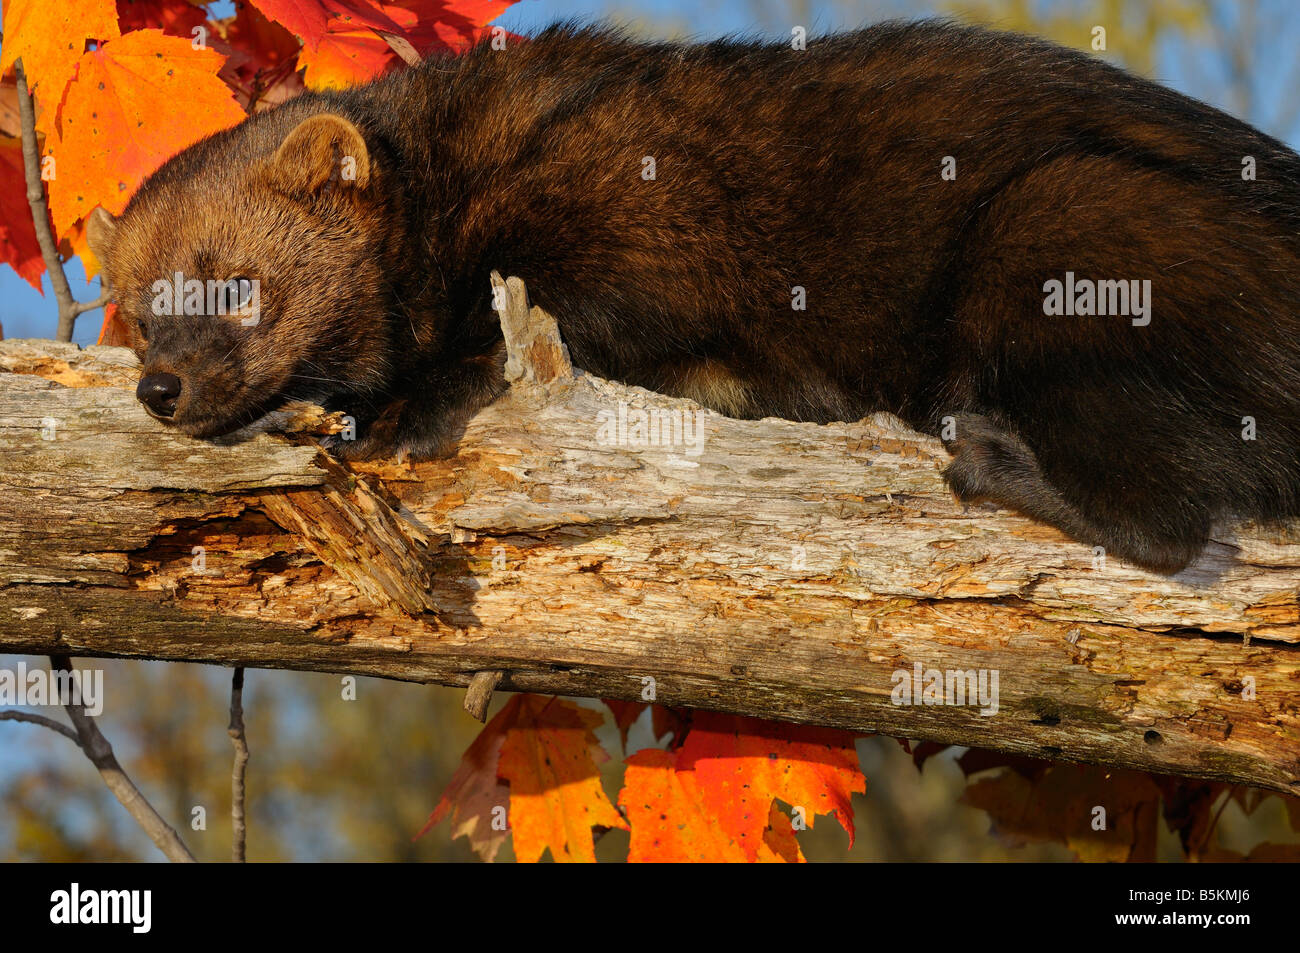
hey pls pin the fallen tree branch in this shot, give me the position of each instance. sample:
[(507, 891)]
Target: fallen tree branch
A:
[(781, 570)]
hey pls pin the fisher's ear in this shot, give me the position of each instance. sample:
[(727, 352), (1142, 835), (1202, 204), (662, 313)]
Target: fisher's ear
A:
[(101, 230), (323, 153)]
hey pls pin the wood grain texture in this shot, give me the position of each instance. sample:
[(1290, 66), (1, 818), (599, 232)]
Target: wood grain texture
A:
[(775, 569)]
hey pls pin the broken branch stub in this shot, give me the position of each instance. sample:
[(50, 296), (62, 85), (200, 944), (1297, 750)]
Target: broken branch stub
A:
[(534, 352)]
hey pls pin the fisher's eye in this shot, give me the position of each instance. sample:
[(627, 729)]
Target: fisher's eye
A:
[(236, 295)]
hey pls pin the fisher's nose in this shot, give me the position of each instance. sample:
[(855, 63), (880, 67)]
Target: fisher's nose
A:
[(159, 393)]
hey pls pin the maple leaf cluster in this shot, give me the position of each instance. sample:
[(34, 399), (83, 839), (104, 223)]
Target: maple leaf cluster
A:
[(711, 790), (710, 796), (122, 85)]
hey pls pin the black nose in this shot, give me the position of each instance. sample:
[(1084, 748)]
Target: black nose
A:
[(158, 392)]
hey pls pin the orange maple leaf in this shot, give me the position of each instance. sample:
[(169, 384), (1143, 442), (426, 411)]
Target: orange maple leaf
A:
[(345, 59), (10, 122), (743, 764), (476, 798), (113, 331), (779, 842), (50, 37), (74, 244), (663, 721), (672, 821), (549, 758), (453, 26), (177, 17), (351, 52), (136, 101), (261, 58), (310, 19)]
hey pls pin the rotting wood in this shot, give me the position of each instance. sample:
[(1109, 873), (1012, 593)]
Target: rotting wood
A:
[(784, 570)]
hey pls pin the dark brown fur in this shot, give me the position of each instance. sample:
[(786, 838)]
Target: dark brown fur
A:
[(775, 168)]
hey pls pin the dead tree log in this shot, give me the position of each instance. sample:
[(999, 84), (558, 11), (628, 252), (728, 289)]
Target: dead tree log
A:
[(780, 570)]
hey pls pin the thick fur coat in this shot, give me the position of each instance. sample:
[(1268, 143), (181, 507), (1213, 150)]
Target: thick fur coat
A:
[(871, 224)]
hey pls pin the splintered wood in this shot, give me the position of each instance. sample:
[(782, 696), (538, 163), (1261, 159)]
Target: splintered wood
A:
[(594, 539)]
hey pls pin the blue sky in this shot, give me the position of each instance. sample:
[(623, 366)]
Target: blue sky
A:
[(24, 313)]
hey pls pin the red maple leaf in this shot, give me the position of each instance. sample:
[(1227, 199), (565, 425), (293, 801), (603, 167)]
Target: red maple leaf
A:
[(18, 246)]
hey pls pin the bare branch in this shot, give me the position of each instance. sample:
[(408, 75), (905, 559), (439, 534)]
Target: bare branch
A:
[(100, 752), (50, 723), (401, 46), (240, 741), (105, 296), (69, 307)]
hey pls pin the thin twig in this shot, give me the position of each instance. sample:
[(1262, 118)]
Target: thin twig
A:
[(49, 723), (240, 742), (81, 307), (69, 307), (401, 46), (100, 752)]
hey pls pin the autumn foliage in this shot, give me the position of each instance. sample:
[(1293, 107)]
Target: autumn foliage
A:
[(710, 795), (723, 788), (121, 85)]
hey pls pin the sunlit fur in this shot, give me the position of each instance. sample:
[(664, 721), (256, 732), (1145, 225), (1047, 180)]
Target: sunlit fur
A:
[(777, 168)]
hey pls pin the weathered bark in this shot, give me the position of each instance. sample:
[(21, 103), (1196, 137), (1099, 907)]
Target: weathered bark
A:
[(786, 571)]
